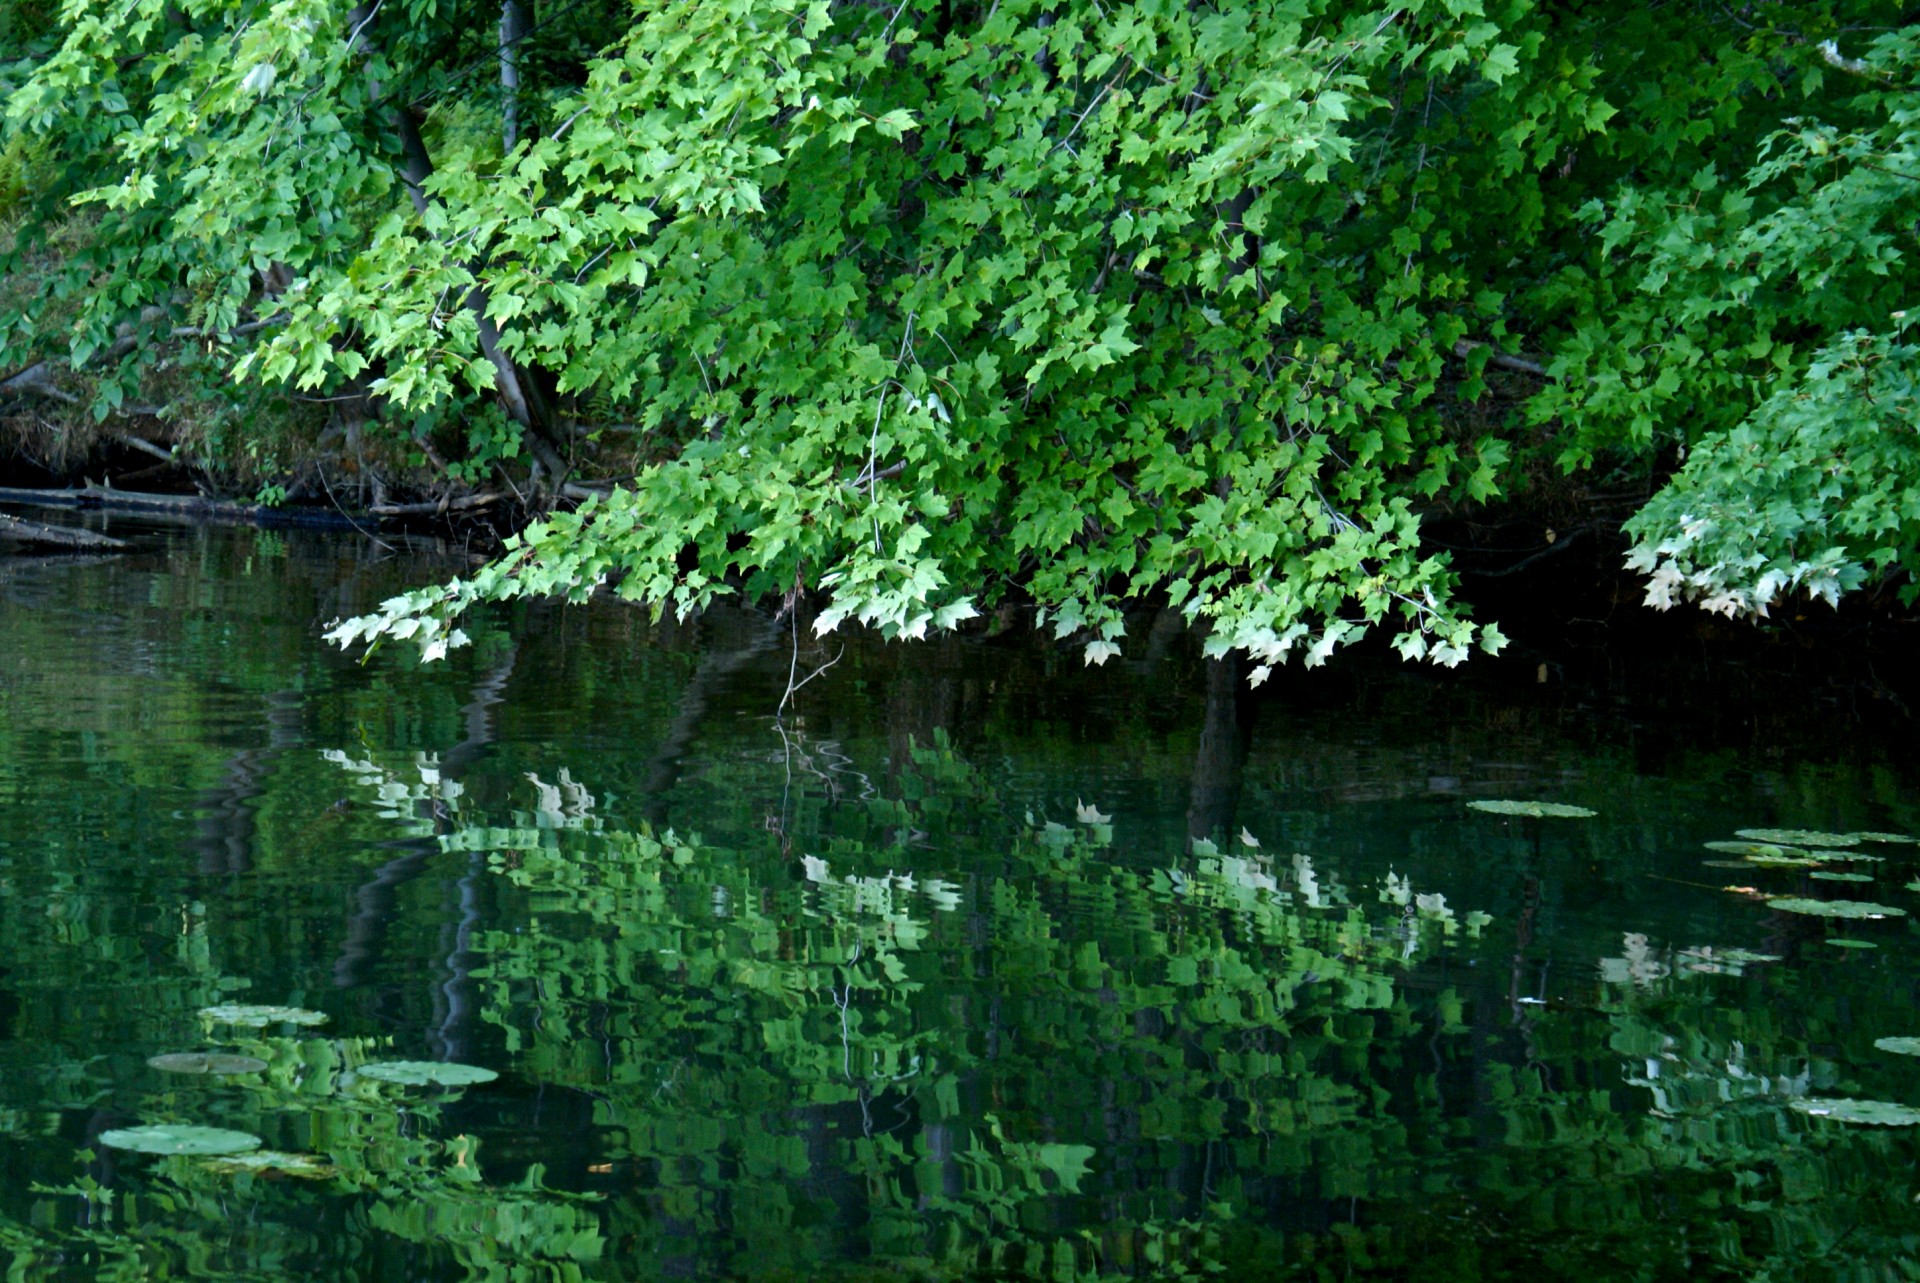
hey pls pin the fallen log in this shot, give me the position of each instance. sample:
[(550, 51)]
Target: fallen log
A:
[(36, 534), (435, 507), (182, 506)]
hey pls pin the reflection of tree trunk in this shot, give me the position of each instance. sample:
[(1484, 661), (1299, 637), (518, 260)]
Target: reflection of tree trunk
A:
[(454, 1005), (662, 771), (373, 908), (920, 703), (373, 901), (224, 833), (1221, 760)]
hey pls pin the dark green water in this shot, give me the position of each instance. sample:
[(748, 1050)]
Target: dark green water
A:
[(926, 980)]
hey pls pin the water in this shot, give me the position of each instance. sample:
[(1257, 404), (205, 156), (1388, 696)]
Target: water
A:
[(923, 980)]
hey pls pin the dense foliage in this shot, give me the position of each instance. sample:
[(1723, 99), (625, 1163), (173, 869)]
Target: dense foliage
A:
[(923, 304)]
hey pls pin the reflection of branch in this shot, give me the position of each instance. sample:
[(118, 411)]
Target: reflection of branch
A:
[(662, 770), (224, 833), (366, 930)]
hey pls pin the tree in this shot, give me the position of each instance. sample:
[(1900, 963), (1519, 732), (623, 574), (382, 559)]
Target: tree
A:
[(922, 305)]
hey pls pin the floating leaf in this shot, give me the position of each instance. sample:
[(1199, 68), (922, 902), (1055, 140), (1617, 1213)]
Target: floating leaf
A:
[(176, 1138), (1875, 1113), (1762, 850), (1892, 839), (1798, 837), (1554, 810), (1833, 875), (427, 1073), (1836, 908), (257, 1017), (1914, 885), (1784, 861), (305, 1166), (1842, 942), (206, 1062), (1902, 1046)]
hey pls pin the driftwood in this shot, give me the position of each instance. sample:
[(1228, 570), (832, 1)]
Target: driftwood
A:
[(16, 530), (196, 507), (435, 508), (1502, 359)]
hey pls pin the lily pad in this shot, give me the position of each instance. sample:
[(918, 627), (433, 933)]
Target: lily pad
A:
[(1834, 875), (1842, 942), (1797, 837), (1914, 885), (206, 1062), (1892, 839), (306, 1166), (1537, 810), (250, 1016), (1762, 850), (1874, 1113), (1899, 1046), (177, 1138), (1785, 861), (1836, 908), (427, 1073)]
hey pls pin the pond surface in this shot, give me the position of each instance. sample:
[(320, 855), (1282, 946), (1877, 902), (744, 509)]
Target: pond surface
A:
[(928, 978)]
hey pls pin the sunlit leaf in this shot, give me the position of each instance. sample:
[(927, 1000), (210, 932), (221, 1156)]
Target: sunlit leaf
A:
[(305, 1166)]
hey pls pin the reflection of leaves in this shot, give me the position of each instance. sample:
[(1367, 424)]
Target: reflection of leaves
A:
[(304, 1166), (1707, 960), (1089, 814), (251, 1016)]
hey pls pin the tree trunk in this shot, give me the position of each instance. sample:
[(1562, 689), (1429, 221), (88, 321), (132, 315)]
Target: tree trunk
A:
[(513, 28), (521, 397)]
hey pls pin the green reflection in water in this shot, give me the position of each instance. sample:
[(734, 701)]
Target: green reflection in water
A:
[(840, 1000)]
